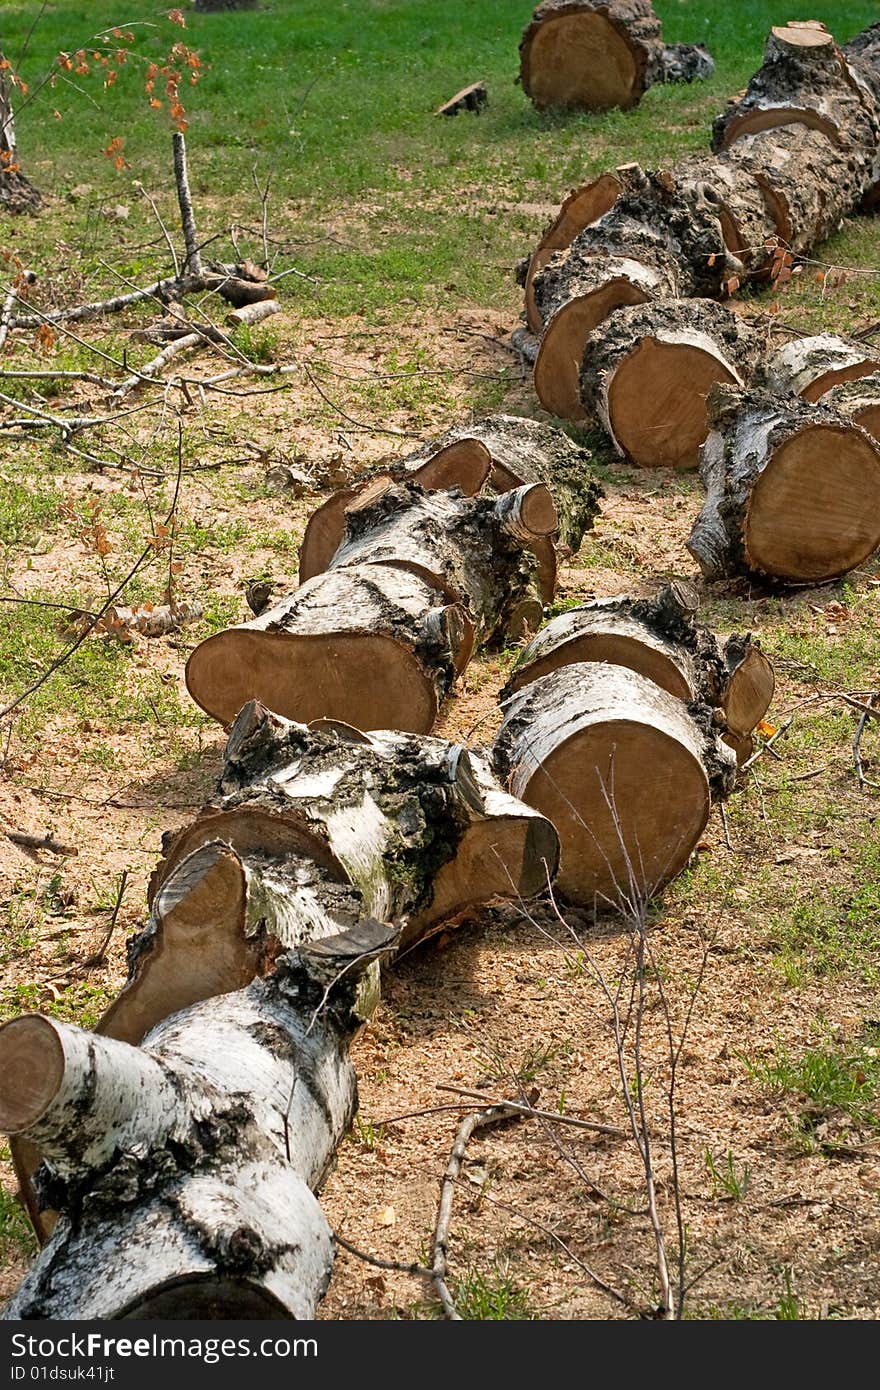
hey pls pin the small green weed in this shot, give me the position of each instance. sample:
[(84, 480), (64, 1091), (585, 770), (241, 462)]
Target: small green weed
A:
[(727, 1182)]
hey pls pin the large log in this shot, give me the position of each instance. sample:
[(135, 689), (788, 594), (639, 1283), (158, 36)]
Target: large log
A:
[(863, 56), (581, 209), (475, 550), (507, 451), (806, 80), (658, 638), (313, 833), (747, 226), (793, 490), (809, 183), (859, 401), (646, 373), (376, 646), (597, 54), (810, 367), (625, 771)]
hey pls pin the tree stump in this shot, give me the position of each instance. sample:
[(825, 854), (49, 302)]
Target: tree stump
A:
[(647, 371), (375, 646), (596, 54), (793, 490), (625, 771), (810, 367)]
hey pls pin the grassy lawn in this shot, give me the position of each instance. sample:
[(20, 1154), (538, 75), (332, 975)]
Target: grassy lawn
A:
[(397, 234)]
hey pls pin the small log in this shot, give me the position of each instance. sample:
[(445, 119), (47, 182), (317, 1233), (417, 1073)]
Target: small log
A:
[(809, 367), (859, 401), (805, 80), (472, 98), (456, 460), (574, 294), (647, 371), (659, 639), (597, 54), (625, 771), (372, 645), (473, 549), (583, 207), (793, 490)]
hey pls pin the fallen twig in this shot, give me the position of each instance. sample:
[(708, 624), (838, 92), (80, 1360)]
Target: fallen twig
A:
[(396, 1265), (529, 1111), (97, 957), (48, 842), (867, 712)]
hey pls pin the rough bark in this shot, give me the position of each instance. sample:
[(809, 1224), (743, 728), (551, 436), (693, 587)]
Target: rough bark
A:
[(374, 645), (748, 229), (793, 490), (809, 367), (473, 549), (859, 401), (17, 193), (575, 293), (313, 834), (805, 79), (581, 209), (863, 56), (625, 771), (647, 370), (598, 54), (659, 639), (810, 184)]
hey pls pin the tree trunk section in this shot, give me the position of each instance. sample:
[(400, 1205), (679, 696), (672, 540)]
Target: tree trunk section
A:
[(748, 229), (809, 184), (625, 771), (583, 207), (658, 639), (647, 371), (17, 193), (805, 80), (810, 367), (473, 549), (593, 55), (374, 645), (313, 834), (793, 490)]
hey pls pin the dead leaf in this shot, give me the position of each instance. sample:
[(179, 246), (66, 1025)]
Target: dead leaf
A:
[(386, 1216)]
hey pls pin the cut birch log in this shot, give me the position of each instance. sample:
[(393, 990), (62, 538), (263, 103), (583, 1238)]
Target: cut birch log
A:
[(507, 451), (185, 1170), (581, 209), (308, 827), (473, 549), (793, 490), (806, 80), (625, 771), (454, 460), (577, 290), (859, 401), (659, 639), (374, 645), (809, 367), (809, 184), (647, 371), (598, 54)]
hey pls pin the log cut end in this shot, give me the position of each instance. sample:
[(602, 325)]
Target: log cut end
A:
[(859, 401), (620, 768), (814, 512), (581, 209), (31, 1071), (558, 363), (574, 57)]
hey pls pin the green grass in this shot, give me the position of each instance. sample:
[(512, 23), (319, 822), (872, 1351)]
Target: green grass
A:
[(833, 1088)]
